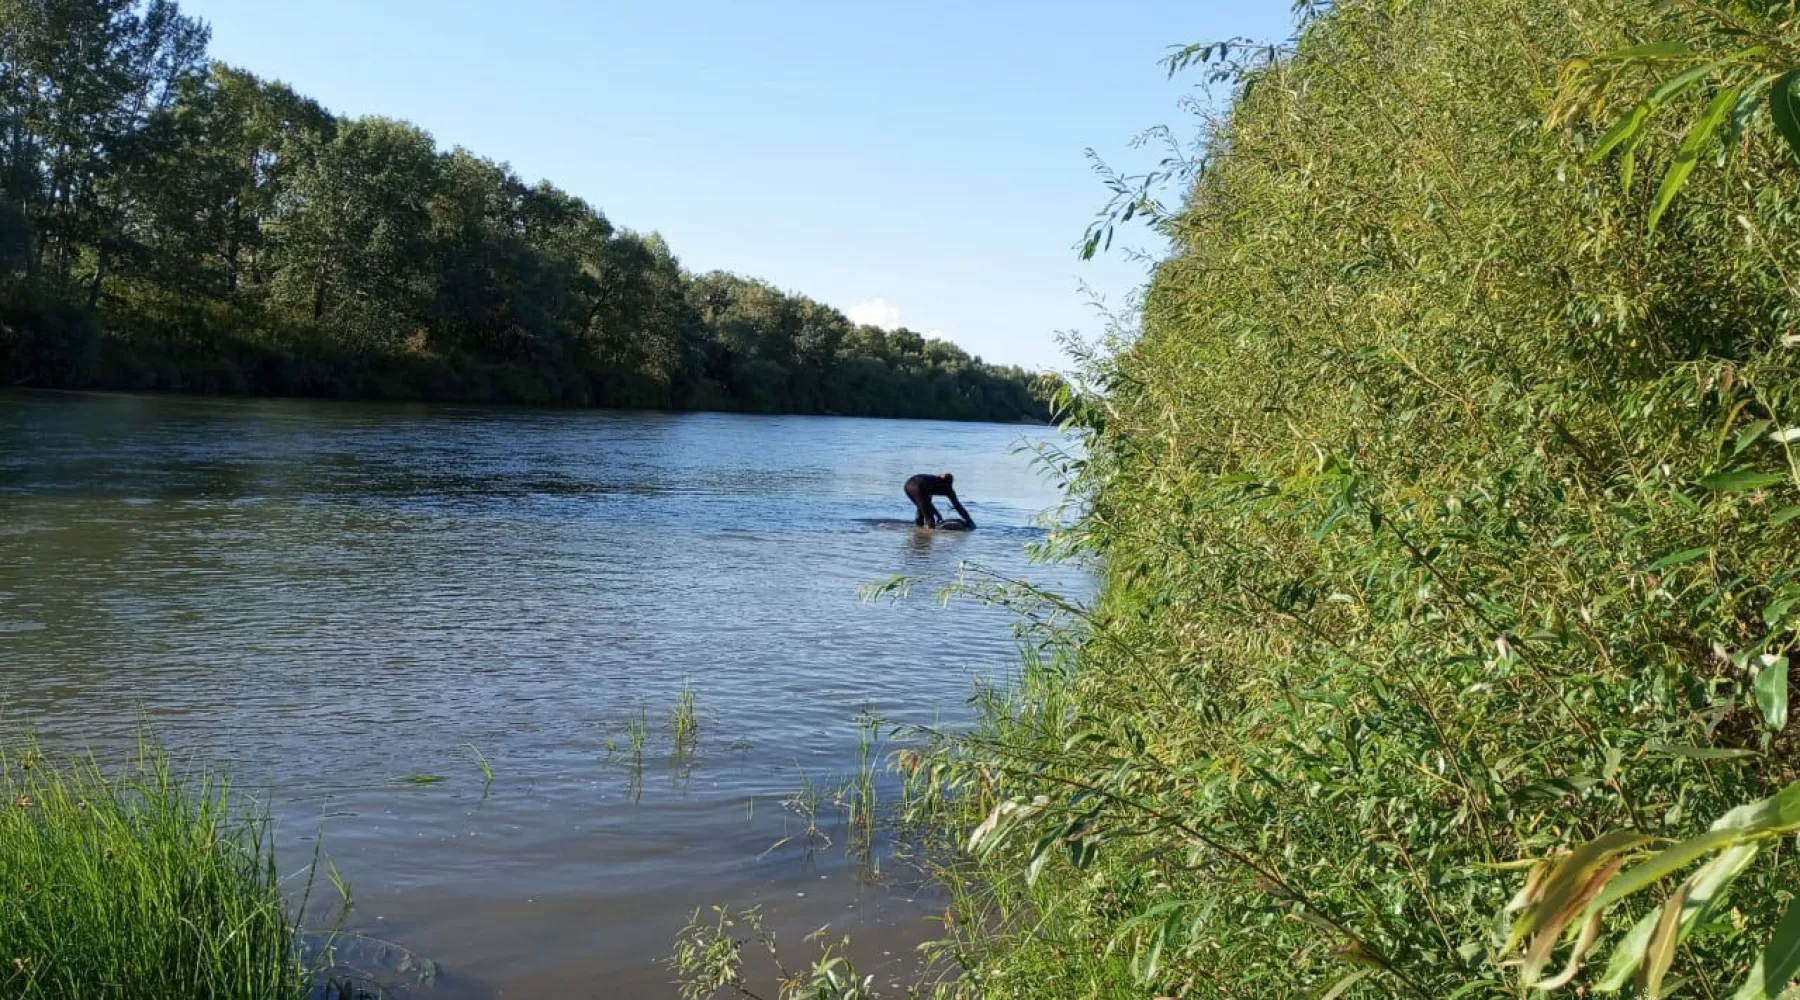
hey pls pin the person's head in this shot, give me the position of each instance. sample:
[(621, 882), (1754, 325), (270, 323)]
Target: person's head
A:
[(948, 479)]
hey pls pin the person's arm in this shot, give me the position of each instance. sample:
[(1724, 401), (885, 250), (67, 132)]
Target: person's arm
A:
[(959, 509)]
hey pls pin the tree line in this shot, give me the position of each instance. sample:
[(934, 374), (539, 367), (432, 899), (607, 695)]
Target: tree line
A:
[(173, 224)]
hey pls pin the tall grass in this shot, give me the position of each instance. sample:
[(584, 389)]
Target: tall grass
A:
[(1448, 518), (147, 884)]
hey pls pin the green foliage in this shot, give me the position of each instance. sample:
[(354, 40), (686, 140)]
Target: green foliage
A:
[(1742, 49), (213, 232), (1572, 895), (1446, 518), (145, 885)]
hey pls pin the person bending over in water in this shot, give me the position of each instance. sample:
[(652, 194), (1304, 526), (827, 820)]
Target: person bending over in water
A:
[(921, 488)]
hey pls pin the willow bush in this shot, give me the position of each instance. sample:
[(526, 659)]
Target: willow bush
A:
[(1447, 510)]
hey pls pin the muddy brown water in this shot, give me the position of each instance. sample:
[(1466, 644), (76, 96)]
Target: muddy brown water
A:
[(331, 597)]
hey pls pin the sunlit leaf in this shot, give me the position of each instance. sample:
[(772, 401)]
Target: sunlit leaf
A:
[(1659, 953), (1664, 863), (1650, 51), (1779, 961), (1741, 480), (1681, 82), (1677, 558), (1689, 154), (1628, 954), (1699, 753), (1627, 127), (1772, 692)]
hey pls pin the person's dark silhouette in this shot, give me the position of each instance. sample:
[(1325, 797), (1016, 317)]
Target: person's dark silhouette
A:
[(921, 488)]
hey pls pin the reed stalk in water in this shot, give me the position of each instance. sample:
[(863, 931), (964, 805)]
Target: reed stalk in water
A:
[(684, 721)]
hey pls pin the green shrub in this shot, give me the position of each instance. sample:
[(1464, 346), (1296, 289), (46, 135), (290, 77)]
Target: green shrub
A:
[(1448, 520)]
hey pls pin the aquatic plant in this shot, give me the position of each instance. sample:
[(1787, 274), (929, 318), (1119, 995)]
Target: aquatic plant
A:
[(684, 721), (487, 771), (708, 961), (804, 803), (637, 731), (144, 884), (857, 795)]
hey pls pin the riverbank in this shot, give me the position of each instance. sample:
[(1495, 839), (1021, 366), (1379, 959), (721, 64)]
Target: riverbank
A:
[(1447, 516)]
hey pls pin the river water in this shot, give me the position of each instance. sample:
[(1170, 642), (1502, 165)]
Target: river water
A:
[(330, 598)]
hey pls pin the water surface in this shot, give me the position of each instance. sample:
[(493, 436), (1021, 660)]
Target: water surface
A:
[(331, 597)]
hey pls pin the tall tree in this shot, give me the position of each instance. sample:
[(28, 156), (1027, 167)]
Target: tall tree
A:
[(354, 236), (87, 85)]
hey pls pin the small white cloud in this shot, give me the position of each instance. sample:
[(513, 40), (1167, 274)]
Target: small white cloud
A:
[(875, 312)]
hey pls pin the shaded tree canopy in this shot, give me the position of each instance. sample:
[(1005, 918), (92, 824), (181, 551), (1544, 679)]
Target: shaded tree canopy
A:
[(173, 225)]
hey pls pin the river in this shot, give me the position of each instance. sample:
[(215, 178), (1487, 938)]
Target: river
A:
[(332, 598)]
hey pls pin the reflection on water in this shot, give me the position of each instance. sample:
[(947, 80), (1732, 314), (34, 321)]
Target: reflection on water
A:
[(333, 597)]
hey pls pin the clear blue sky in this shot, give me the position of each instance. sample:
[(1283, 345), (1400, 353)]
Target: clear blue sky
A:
[(928, 154)]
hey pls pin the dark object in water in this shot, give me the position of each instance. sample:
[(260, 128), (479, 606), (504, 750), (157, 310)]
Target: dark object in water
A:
[(954, 524)]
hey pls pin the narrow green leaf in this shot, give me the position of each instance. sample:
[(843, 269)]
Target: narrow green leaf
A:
[(1779, 813), (1784, 107), (1676, 559), (1711, 881), (1700, 896), (1647, 52), (1779, 962), (1344, 984), (1749, 102), (1784, 515), (1628, 955), (1554, 789), (1772, 692), (1748, 436), (1660, 953), (1662, 864), (1627, 127), (1679, 84), (1689, 154), (1698, 753), (1777, 611), (1152, 959), (1741, 480)]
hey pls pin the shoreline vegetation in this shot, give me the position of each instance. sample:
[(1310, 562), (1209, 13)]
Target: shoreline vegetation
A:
[(140, 882), (173, 225), (1446, 505)]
